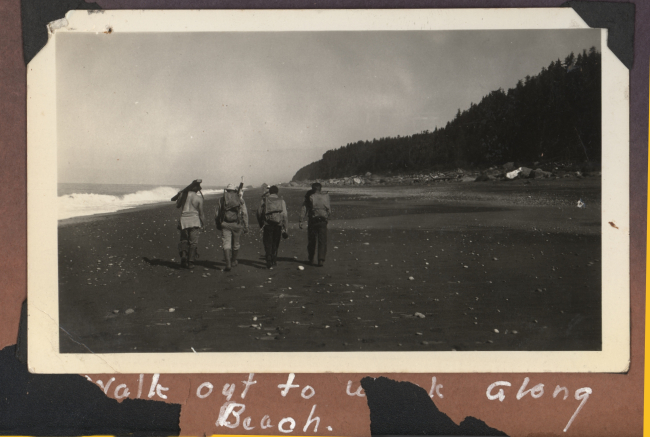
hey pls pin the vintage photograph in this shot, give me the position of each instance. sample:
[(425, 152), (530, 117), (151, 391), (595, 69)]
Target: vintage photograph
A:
[(330, 191)]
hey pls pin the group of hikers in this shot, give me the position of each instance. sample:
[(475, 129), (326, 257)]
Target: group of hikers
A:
[(231, 218)]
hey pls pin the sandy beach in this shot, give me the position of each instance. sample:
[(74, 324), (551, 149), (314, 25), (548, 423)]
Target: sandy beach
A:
[(460, 266)]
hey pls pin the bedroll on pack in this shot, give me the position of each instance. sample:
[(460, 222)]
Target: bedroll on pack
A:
[(231, 206), (320, 205), (273, 210)]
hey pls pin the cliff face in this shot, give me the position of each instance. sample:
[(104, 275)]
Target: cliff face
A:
[(553, 116)]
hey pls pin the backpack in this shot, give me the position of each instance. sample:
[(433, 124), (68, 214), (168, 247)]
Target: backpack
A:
[(231, 206), (320, 205), (273, 210)]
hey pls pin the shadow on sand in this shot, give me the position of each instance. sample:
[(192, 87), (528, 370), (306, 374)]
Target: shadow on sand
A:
[(254, 264), (160, 262), (209, 264), (291, 260), (219, 265), (177, 266)]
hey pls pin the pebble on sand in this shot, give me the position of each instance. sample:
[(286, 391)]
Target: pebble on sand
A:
[(496, 331), (411, 278), (420, 315), (129, 311), (171, 310), (116, 311), (301, 268)]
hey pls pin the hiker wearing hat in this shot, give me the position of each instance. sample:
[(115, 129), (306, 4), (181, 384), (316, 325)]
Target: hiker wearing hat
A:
[(231, 218), (190, 201), (316, 209), (272, 216)]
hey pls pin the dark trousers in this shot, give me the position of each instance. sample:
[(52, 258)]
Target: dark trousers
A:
[(189, 239), (271, 238), (317, 234)]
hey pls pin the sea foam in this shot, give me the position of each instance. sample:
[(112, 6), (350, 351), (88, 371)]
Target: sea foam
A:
[(83, 204)]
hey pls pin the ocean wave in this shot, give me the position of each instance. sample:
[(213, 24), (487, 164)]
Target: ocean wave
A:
[(83, 204)]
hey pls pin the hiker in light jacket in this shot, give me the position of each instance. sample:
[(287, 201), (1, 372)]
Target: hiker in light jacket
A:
[(231, 217), (273, 216), (192, 220)]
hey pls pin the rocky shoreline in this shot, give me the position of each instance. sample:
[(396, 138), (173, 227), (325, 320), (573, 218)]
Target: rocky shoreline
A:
[(507, 172)]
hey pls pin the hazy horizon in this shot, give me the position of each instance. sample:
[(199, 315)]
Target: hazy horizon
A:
[(164, 109)]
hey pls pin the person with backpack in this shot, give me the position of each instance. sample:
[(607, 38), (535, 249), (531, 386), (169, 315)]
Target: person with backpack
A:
[(273, 217), (316, 209), (231, 218)]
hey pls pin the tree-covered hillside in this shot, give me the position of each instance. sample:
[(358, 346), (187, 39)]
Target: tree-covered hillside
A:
[(552, 116)]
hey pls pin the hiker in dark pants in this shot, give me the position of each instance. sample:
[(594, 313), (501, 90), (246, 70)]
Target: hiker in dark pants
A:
[(272, 215), (316, 208)]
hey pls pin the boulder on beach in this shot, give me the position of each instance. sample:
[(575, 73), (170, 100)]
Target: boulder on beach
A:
[(368, 174), (524, 172), (293, 184), (483, 177), (539, 173), (513, 174)]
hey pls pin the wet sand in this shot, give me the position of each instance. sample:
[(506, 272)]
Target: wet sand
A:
[(490, 266)]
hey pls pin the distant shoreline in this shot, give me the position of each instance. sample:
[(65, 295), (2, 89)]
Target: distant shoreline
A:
[(494, 192)]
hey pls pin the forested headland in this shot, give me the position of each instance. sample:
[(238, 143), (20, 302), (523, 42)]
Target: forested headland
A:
[(553, 116)]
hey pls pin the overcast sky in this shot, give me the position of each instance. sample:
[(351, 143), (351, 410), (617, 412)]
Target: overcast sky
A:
[(169, 108)]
